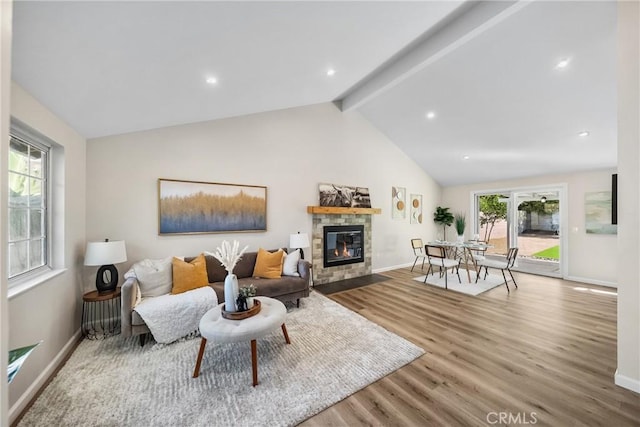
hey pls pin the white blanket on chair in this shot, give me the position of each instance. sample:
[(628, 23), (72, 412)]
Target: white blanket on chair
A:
[(170, 317)]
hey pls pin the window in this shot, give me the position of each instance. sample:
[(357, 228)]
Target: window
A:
[(28, 201)]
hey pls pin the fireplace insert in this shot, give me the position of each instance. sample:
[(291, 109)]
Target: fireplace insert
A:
[(343, 244)]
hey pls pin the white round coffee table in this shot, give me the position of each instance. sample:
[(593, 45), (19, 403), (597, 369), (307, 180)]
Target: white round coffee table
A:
[(215, 327)]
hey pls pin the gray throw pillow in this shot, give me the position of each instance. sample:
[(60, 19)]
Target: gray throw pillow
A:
[(155, 276)]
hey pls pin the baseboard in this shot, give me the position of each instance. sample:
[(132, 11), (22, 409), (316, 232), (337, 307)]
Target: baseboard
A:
[(34, 388), (626, 382), (394, 267), (592, 281)]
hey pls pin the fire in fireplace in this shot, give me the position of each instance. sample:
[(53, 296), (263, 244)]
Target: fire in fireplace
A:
[(343, 244)]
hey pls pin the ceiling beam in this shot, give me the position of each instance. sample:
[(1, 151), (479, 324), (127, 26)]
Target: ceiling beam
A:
[(464, 24)]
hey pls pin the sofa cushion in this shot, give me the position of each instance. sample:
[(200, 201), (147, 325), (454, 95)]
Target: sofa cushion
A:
[(244, 267), (290, 264), (189, 275), (215, 271), (268, 264), (275, 288), (154, 276)]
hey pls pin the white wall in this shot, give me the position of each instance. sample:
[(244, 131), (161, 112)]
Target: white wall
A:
[(628, 372), (289, 151), (591, 257), (51, 311), (5, 105)]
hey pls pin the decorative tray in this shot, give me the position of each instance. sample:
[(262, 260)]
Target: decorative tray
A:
[(239, 315)]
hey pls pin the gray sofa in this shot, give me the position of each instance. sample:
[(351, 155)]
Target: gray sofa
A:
[(286, 288)]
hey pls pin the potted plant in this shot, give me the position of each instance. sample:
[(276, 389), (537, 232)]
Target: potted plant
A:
[(460, 222), (248, 292), (444, 217)]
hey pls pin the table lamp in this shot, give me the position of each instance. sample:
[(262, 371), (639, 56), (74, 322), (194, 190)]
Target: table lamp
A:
[(299, 241), (106, 254)]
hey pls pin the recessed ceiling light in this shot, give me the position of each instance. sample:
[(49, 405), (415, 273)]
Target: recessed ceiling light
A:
[(331, 72), (465, 157), (212, 80), (584, 133), (430, 115), (563, 63)]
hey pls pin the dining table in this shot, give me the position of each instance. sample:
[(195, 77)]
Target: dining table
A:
[(463, 251)]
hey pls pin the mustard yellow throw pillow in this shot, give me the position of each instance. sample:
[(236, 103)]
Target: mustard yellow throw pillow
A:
[(268, 264), (189, 275)]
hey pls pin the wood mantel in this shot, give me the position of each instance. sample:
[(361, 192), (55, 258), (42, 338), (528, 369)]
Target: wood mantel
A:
[(330, 210)]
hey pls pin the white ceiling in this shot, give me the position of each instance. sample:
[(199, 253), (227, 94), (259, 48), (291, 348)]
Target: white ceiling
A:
[(487, 69)]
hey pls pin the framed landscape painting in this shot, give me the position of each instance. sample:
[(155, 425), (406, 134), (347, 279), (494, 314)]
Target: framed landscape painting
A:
[(597, 207), (190, 207)]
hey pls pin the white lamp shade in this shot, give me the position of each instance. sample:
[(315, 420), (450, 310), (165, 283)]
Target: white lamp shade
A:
[(299, 240), (105, 253)]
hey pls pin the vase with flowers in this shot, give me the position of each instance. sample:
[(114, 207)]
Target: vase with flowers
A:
[(229, 255)]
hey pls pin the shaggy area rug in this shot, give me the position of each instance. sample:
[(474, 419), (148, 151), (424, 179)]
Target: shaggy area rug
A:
[(472, 288), (334, 352)]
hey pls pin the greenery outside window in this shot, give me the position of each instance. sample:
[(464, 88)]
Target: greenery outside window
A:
[(28, 249)]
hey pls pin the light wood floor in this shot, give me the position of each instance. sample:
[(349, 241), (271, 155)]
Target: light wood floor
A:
[(544, 354)]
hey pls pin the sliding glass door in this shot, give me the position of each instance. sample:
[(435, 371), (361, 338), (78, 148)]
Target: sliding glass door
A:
[(538, 231), (529, 219), (492, 212)]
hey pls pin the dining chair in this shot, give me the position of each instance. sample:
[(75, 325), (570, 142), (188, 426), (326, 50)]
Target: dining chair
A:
[(479, 253), (416, 245), (437, 256), (502, 265)]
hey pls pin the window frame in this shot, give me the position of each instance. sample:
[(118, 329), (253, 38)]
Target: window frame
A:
[(26, 135)]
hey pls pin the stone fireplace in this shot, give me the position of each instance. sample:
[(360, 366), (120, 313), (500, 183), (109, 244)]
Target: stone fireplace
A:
[(344, 237)]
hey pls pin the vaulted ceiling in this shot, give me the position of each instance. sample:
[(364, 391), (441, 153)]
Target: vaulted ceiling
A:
[(487, 71)]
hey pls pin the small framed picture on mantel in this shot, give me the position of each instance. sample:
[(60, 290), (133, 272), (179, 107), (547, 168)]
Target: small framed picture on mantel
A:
[(344, 196)]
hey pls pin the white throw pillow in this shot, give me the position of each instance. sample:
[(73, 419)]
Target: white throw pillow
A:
[(155, 276), (290, 264)]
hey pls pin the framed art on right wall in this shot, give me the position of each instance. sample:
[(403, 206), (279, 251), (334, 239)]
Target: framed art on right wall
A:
[(398, 203), (416, 209), (597, 208)]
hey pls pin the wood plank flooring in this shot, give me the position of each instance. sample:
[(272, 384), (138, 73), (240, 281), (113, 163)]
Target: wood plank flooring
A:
[(545, 354)]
